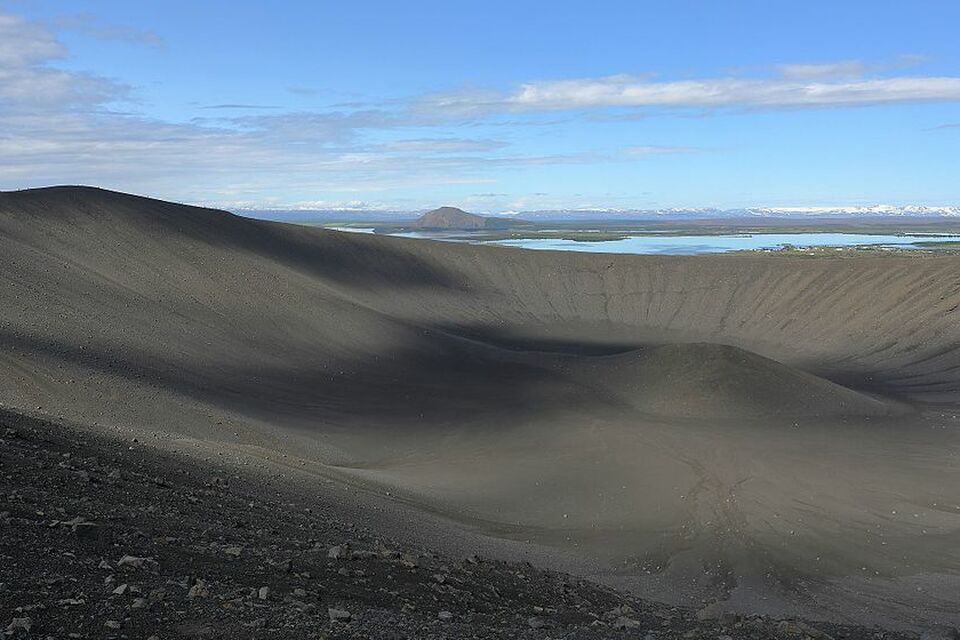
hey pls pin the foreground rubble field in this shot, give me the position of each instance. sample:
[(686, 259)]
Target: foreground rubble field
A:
[(103, 538)]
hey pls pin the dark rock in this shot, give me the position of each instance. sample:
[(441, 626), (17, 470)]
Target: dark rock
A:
[(134, 562), (20, 625), (339, 552), (198, 590), (339, 615), (624, 622), (536, 623)]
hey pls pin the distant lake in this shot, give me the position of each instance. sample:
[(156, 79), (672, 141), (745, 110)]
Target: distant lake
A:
[(689, 244), (724, 243)]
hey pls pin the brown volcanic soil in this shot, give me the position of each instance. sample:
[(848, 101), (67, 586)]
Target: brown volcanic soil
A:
[(752, 433)]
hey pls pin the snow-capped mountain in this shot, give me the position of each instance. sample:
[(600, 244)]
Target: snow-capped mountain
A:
[(875, 210), (712, 212)]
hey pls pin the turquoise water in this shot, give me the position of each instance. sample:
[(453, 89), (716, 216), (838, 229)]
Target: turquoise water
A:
[(719, 244), (688, 244)]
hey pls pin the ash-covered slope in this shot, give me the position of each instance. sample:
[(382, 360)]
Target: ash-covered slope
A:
[(100, 262), (502, 388), (698, 380)]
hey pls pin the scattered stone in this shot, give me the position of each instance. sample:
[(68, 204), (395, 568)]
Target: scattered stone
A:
[(119, 591), (339, 552), (812, 632), (111, 624), (200, 590), (536, 623), (707, 613), (133, 562), (81, 526), (624, 622), (445, 616), (728, 619), (20, 624), (789, 629), (339, 615), (622, 610), (263, 593)]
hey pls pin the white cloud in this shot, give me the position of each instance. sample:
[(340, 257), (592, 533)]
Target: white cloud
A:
[(92, 26), (823, 70), (443, 145), (56, 126), (630, 91), (847, 68), (28, 83), (23, 43)]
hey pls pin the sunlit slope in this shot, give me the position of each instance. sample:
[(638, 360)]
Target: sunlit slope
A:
[(718, 381)]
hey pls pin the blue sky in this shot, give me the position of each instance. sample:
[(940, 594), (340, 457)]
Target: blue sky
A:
[(492, 106)]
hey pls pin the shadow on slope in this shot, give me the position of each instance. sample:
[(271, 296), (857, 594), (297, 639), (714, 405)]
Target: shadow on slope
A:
[(411, 388)]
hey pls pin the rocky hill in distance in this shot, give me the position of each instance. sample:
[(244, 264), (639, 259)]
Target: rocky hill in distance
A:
[(452, 218)]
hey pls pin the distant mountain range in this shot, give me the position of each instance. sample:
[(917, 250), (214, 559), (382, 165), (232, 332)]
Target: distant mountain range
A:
[(752, 212), (876, 210), (396, 216)]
